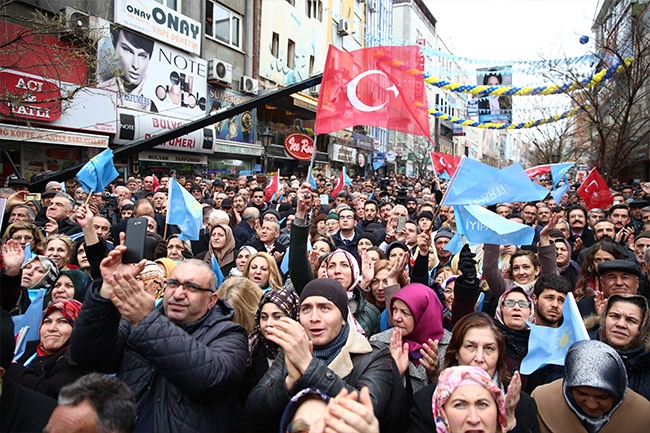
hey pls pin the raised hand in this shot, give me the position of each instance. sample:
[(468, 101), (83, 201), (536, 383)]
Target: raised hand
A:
[(512, 399), (399, 351), (13, 256)]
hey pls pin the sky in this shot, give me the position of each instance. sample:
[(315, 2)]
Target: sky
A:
[(514, 29)]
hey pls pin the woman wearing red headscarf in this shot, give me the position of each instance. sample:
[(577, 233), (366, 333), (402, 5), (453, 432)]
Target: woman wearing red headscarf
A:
[(46, 365)]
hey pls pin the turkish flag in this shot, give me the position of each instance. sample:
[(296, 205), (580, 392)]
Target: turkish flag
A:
[(595, 192), (379, 86), (443, 162), (339, 184), (155, 186), (538, 170), (273, 187)]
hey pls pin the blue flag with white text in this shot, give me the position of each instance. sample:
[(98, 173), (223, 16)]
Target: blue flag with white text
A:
[(548, 345), (98, 172), (184, 211), (480, 225)]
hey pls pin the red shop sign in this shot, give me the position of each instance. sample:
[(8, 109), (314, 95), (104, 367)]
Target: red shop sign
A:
[(29, 98), (300, 146)]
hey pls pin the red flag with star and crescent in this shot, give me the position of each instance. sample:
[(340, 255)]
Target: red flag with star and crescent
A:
[(379, 86), (443, 162), (595, 192)]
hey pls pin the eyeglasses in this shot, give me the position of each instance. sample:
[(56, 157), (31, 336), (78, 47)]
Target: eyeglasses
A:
[(19, 238), (511, 303), (190, 287)]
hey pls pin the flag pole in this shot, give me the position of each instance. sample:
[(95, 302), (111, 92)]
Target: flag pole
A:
[(88, 197), (313, 159), (169, 202)]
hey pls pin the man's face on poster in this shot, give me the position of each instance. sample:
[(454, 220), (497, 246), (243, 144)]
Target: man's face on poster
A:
[(133, 60)]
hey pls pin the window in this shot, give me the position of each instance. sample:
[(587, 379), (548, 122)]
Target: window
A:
[(222, 24), (291, 54), (275, 45), (171, 4)]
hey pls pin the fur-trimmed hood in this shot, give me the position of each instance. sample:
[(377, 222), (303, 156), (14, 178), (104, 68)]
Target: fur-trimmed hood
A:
[(592, 323)]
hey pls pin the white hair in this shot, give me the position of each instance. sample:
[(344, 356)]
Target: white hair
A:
[(218, 216)]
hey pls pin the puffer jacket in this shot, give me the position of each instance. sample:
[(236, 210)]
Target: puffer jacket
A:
[(358, 364), (188, 370)]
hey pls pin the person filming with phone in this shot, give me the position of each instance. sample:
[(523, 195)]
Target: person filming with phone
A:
[(182, 359)]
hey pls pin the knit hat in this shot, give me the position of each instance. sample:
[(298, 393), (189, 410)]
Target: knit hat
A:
[(332, 216), (153, 272), (51, 272), (444, 232), (329, 289), (425, 214)]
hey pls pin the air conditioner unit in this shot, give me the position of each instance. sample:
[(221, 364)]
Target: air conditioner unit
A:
[(219, 71), (344, 27), (372, 5), (248, 85), (314, 90), (76, 21)]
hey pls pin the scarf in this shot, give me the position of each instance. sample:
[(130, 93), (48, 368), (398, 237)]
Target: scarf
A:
[(70, 309), (427, 316), (51, 272), (639, 340), (226, 254), (354, 269), (287, 301), (328, 352)]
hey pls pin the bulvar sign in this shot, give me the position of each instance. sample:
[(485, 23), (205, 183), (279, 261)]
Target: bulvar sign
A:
[(299, 146), (30, 97)]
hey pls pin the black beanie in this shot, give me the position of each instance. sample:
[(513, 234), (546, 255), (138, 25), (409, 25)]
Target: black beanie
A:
[(329, 289)]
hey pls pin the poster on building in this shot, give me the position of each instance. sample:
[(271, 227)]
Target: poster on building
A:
[(151, 76), (160, 22), (240, 128), (496, 109)]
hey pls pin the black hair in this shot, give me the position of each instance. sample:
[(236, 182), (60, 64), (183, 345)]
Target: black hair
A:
[(134, 39), (552, 282)]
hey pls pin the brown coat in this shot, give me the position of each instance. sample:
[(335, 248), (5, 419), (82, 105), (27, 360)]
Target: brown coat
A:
[(555, 416)]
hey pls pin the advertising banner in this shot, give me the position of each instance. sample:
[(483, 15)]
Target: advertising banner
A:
[(494, 108), (240, 128), (160, 22)]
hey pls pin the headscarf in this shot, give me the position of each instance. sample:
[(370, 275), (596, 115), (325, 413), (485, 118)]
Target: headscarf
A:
[(153, 272), (289, 302), (226, 254), (499, 312), (295, 402), (81, 281), (640, 338), (70, 309), (562, 268), (168, 264), (427, 317), (453, 377), (354, 268), (51, 272), (598, 365)]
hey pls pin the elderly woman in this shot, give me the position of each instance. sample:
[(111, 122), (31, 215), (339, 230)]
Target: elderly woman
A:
[(46, 365), (465, 400), (69, 285), (593, 397), (221, 248), (514, 309), (25, 233), (240, 261), (60, 248), (624, 325)]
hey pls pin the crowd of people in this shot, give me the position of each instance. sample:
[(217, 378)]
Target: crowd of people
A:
[(318, 312)]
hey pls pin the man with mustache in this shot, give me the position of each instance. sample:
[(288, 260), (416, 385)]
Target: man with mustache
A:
[(182, 359)]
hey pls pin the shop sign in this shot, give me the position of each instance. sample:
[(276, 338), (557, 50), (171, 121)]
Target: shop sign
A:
[(170, 81), (36, 135), (344, 154), (179, 158), (135, 126), (164, 24), (300, 146), (30, 97), (239, 128), (237, 150)]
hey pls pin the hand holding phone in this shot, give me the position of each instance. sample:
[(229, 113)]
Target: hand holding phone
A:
[(136, 232), (401, 222)]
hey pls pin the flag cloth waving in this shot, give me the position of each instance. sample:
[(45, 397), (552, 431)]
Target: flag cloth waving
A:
[(98, 172), (443, 162), (480, 225), (340, 181), (184, 211), (595, 192), (273, 187), (548, 345), (379, 86)]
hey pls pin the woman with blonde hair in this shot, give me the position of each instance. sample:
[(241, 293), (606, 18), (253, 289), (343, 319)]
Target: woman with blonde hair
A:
[(244, 297), (59, 248), (25, 233), (262, 269)]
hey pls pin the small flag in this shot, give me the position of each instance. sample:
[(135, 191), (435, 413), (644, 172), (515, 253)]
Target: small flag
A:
[(217, 271), (31, 320), (184, 211), (339, 184), (480, 225), (443, 162), (98, 172), (311, 180), (558, 193), (595, 192), (273, 187), (155, 186)]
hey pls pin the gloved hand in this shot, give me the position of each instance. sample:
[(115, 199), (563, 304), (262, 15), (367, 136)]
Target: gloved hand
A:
[(466, 263)]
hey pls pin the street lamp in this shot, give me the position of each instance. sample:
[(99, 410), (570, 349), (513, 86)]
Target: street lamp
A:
[(267, 137), (555, 158)]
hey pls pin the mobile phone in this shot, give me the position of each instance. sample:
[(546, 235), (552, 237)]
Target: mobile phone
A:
[(401, 221), (33, 196), (136, 232)]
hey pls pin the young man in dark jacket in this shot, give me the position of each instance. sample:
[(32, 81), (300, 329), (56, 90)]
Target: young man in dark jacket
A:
[(182, 359)]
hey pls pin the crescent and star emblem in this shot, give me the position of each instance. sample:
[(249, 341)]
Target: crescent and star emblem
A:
[(593, 182), (352, 92)]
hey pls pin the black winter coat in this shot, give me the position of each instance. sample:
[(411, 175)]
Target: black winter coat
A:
[(188, 370)]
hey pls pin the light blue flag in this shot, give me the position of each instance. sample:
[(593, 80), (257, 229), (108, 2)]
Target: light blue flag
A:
[(98, 172), (32, 318), (284, 266), (480, 225), (548, 345), (475, 183), (377, 164), (455, 244), (557, 193), (444, 175), (558, 171), (217, 271), (346, 178), (28, 252), (184, 211), (311, 180)]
